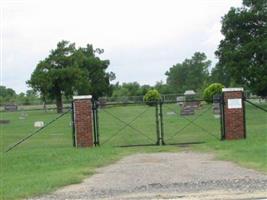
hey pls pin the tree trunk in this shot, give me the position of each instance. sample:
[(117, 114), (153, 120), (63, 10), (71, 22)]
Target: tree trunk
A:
[(44, 103), (59, 103), (45, 108)]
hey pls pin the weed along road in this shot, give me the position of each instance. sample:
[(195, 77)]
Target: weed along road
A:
[(184, 175)]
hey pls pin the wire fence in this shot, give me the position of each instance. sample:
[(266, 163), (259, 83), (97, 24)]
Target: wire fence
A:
[(122, 124), (256, 118), (125, 125), (34, 129)]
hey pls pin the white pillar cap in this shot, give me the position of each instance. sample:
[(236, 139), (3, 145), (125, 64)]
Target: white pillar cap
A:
[(82, 97), (232, 89)]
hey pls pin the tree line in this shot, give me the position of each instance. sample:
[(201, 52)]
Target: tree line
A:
[(8, 95)]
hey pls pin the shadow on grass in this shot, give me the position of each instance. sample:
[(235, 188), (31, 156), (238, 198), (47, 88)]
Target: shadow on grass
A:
[(137, 145), (183, 144)]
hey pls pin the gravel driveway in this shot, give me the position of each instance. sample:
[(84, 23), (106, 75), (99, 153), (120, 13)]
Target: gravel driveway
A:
[(184, 175)]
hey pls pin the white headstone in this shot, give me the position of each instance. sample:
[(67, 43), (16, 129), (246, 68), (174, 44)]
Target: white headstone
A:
[(38, 124)]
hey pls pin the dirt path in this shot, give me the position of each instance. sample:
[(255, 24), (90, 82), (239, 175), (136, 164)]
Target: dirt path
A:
[(184, 175)]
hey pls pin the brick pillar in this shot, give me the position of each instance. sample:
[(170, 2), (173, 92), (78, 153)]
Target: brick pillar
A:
[(233, 114), (82, 108)]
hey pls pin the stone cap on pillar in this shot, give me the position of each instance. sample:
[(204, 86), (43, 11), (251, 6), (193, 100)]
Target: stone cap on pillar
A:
[(82, 97), (232, 89)]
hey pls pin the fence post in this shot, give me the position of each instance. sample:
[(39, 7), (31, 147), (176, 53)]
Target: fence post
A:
[(222, 116), (94, 122), (97, 124), (157, 123), (161, 123), (244, 114), (73, 124)]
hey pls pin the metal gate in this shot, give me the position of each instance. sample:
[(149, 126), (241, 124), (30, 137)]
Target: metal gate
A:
[(190, 122), (160, 123), (125, 124)]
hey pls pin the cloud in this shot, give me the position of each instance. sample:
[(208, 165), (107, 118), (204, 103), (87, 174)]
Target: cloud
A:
[(141, 38)]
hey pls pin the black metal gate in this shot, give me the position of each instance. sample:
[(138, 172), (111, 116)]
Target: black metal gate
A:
[(125, 124), (160, 123), (190, 122)]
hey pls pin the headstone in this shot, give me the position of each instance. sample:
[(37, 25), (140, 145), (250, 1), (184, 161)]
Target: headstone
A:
[(38, 124), (189, 93), (180, 100), (11, 107), (171, 113), (23, 115), (4, 121), (187, 110), (216, 108), (190, 99)]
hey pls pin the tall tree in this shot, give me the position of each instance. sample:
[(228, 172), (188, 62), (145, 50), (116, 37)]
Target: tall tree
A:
[(220, 75), (97, 80), (162, 88), (191, 74), (68, 70), (243, 51)]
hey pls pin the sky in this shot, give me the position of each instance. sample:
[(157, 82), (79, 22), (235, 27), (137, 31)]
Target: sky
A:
[(141, 38)]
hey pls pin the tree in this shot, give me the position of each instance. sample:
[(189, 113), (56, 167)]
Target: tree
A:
[(6, 94), (243, 51), (67, 71), (191, 74), (163, 88), (97, 80), (220, 75)]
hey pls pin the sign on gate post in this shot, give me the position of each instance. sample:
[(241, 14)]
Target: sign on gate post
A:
[(82, 117), (234, 126)]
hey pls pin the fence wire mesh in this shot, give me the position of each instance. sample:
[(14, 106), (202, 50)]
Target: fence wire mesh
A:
[(197, 126), (256, 118), (127, 125), (25, 128)]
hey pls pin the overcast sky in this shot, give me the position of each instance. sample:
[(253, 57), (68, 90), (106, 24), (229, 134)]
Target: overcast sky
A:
[(141, 38)]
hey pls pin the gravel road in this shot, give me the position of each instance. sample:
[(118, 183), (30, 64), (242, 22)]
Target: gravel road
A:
[(184, 175)]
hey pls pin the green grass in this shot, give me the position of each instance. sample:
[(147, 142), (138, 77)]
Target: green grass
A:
[(48, 160)]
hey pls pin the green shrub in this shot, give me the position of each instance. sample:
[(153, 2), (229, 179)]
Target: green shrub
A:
[(151, 97), (211, 90)]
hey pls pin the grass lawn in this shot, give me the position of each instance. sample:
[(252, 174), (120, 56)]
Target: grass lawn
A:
[(48, 160)]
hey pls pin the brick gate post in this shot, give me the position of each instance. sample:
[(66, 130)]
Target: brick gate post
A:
[(82, 108), (233, 114)]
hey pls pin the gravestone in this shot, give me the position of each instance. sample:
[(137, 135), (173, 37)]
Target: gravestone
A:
[(38, 124), (190, 103), (171, 113), (4, 121), (11, 107), (187, 110), (216, 106), (23, 115), (180, 100)]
